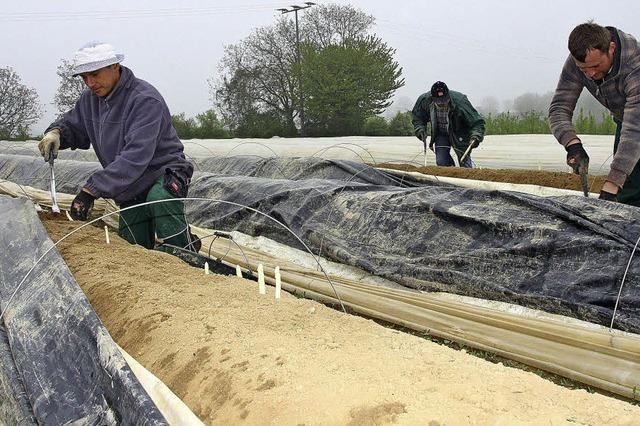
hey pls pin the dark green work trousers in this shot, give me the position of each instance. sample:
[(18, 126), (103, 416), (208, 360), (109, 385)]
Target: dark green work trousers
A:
[(166, 220), (630, 192)]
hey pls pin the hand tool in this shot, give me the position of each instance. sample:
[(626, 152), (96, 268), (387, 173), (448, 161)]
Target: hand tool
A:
[(52, 186), (465, 154), (583, 171), (424, 144)]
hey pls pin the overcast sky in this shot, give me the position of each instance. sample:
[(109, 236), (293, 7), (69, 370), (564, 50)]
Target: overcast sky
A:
[(481, 48)]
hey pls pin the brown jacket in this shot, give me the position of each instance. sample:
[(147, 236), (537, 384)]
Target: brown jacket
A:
[(619, 93)]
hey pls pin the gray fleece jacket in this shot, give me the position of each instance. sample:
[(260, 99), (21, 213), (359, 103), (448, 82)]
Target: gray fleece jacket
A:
[(131, 133)]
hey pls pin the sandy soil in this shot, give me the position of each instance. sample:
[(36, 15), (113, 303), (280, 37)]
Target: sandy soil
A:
[(237, 357), (563, 180)]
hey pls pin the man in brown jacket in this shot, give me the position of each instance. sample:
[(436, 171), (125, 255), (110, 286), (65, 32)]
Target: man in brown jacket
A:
[(606, 61)]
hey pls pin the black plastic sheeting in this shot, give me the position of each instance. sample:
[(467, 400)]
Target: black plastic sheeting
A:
[(301, 169), (58, 364), (14, 405), (564, 255), (31, 149), (12, 166)]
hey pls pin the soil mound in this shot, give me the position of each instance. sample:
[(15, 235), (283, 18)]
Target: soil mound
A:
[(235, 356), (533, 177)]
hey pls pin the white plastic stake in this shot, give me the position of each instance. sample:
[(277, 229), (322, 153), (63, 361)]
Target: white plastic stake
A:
[(278, 282), (106, 234), (261, 286), (238, 271), (206, 268)]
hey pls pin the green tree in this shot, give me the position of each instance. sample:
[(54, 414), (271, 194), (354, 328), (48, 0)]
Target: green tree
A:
[(345, 84), (376, 126), (209, 126), (533, 122), (580, 122), (508, 123), (185, 127), (607, 126), (262, 125), (400, 124)]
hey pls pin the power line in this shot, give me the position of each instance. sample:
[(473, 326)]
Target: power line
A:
[(135, 13), (455, 41)]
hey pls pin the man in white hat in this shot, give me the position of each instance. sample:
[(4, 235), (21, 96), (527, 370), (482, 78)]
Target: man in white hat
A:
[(128, 124)]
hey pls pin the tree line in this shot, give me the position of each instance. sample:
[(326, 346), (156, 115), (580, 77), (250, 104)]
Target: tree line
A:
[(337, 82), (208, 126), (537, 122)]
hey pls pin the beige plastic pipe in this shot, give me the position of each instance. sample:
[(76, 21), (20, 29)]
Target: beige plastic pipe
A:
[(581, 352), (541, 191)]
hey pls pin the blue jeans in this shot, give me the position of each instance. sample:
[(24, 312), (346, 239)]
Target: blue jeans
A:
[(442, 148)]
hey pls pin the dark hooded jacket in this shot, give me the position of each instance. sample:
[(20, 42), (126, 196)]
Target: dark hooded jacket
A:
[(464, 120)]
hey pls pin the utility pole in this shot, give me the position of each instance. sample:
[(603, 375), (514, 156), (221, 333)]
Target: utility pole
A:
[(295, 9)]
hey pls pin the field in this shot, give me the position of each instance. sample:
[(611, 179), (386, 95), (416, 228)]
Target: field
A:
[(235, 356)]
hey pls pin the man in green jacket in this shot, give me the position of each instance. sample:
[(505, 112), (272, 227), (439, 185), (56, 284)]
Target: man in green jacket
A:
[(605, 61), (455, 123)]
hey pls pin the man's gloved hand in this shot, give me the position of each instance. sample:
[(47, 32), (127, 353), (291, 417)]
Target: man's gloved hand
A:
[(607, 196), (50, 144), (576, 155), (421, 134), (474, 142), (176, 183), (81, 205)]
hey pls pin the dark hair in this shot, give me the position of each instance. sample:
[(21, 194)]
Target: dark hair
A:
[(586, 37), (439, 86)]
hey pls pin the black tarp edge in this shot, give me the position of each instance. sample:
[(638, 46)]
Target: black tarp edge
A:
[(70, 369)]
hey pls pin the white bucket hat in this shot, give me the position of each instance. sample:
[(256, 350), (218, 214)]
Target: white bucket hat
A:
[(93, 56)]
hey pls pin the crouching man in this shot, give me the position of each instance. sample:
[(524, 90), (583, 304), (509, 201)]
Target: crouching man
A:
[(128, 124)]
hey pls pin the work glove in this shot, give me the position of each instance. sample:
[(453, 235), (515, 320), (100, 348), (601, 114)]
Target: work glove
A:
[(176, 183), (607, 196), (577, 157), (81, 206), (50, 144), (421, 134), (474, 142)]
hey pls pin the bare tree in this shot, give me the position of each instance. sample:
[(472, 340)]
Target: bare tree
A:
[(528, 102), (489, 106), (69, 89), (590, 105), (19, 105), (333, 24), (257, 77)]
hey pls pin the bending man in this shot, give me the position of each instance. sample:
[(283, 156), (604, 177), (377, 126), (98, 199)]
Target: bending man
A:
[(606, 61), (455, 123), (128, 124)]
